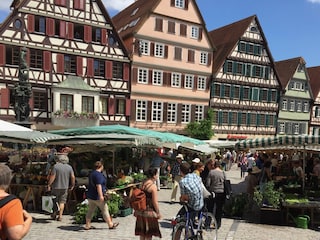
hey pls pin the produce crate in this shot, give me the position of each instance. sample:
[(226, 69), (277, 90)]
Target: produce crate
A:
[(125, 212)]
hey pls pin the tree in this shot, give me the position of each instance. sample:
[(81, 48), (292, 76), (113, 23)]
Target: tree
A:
[(203, 129)]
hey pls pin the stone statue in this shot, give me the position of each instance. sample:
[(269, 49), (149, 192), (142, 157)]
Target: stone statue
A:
[(22, 90)]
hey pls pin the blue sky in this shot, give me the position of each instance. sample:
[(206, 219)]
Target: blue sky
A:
[(291, 27)]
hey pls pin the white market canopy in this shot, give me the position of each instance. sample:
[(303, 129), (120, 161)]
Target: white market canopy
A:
[(221, 143)]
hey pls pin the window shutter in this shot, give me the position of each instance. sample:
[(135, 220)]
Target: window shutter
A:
[(103, 36), (195, 83), (134, 75), (219, 118), (79, 66), (152, 49), (183, 30), (90, 70), (49, 26), (2, 55), (133, 110), (193, 111), (209, 59), (78, 4), (63, 27), (166, 51), (47, 61), (128, 107), (60, 63), (179, 113), (5, 97), (87, 34), (172, 3), (150, 79), (126, 72), (70, 30), (186, 4), (30, 27), (232, 91), (111, 106), (149, 110), (165, 112), (200, 34), (108, 73), (212, 90)]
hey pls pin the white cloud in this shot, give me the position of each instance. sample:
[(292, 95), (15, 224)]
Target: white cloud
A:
[(314, 1), (5, 5), (117, 5)]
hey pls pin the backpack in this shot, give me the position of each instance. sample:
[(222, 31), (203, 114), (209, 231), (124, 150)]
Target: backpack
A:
[(7, 199), (138, 199)]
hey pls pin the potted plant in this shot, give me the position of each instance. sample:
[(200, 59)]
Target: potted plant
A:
[(114, 202)]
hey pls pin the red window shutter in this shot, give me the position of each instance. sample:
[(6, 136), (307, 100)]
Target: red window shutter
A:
[(126, 71), (60, 63), (30, 23), (90, 70), (63, 27), (62, 2), (2, 55), (128, 107), (133, 110), (70, 30), (134, 75), (47, 61), (78, 4), (108, 69), (50, 26), (87, 34), (103, 36), (111, 106), (79, 66), (5, 97)]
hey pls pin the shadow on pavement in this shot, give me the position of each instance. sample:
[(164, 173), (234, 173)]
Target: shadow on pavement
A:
[(74, 228), (41, 220), (165, 223)]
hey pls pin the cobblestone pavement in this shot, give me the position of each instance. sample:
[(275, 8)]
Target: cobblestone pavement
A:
[(231, 229)]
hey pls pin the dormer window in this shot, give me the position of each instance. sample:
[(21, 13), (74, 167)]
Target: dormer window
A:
[(180, 3)]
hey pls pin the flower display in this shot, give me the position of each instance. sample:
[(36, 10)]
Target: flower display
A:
[(76, 115)]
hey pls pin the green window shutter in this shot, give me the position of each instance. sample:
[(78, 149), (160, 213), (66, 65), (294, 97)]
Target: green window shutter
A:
[(267, 72), (222, 94), (267, 120), (212, 90), (258, 120), (232, 92), (241, 92), (219, 118), (248, 70), (225, 66), (234, 67), (255, 94), (269, 95), (248, 119), (255, 49), (316, 111), (229, 118), (247, 47), (239, 118)]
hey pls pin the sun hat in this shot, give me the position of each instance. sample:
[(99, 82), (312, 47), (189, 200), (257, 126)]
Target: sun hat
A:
[(196, 160), (179, 156)]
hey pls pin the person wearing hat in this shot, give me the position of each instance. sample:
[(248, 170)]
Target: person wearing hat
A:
[(194, 164), (252, 180), (176, 176)]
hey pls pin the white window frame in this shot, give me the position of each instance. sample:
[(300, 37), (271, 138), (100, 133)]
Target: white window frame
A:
[(188, 81), (141, 110), (185, 113), (157, 110), (296, 128), (159, 50), (194, 32), (299, 106), (292, 106), (199, 113), (204, 58), (284, 104), (172, 112), (306, 107), (143, 76), (144, 47), (202, 83), (179, 3), (157, 77), (175, 79)]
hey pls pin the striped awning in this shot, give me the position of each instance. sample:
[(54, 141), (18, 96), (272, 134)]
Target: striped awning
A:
[(300, 141), (32, 136)]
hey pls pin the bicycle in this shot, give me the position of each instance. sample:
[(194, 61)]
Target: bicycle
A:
[(195, 225)]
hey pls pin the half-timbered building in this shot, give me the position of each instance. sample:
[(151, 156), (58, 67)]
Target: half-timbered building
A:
[(79, 68), (171, 62), (245, 88), (314, 76), (295, 102)]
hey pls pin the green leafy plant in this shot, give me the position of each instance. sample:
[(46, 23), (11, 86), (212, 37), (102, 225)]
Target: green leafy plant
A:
[(268, 196), (138, 177), (81, 211), (114, 202)]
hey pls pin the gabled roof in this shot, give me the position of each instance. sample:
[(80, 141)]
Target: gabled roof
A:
[(287, 68), (314, 75), (130, 19), (74, 82)]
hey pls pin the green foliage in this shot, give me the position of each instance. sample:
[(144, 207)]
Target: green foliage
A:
[(80, 214), (138, 177), (203, 129), (268, 195), (114, 202), (236, 206)]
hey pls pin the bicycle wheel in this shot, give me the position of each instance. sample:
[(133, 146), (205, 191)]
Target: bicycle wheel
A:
[(209, 227), (180, 233)]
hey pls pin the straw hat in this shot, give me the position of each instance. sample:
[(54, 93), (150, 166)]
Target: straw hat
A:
[(179, 156)]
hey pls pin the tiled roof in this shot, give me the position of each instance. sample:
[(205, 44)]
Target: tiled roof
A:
[(314, 75), (226, 38), (131, 18), (287, 68), (74, 82)]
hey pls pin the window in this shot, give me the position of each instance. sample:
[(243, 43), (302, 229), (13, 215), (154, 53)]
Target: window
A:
[(217, 89), (78, 31), (144, 47), (104, 105), (159, 50), (172, 113), (157, 109), (296, 128), (36, 58), (236, 92), (199, 113), (179, 3), (57, 27), (284, 105), (292, 106), (202, 83), (171, 27), (175, 79), (143, 75), (185, 113), (99, 67), (70, 65), (12, 55), (87, 104), (281, 127), (299, 106), (257, 71), (159, 24), (188, 81), (66, 102), (40, 24), (177, 53), (305, 107), (240, 68), (96, 34), (264, 95), (194, 32), (228, 66), (157, 77), (120, 106), (246, 91), (141, 110), (39, 100), (117, 70), (204, 58)]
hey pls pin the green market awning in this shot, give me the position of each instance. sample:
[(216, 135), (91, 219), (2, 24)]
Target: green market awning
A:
[(296, 141)]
